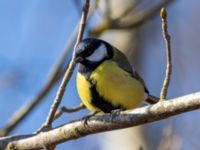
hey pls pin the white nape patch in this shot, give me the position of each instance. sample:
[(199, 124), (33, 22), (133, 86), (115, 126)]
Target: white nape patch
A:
[(98, 54)]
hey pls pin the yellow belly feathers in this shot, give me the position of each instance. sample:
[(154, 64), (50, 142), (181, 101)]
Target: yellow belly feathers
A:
[(114, 84)]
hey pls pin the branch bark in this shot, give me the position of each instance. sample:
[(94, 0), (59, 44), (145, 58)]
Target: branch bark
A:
[(102, 123)]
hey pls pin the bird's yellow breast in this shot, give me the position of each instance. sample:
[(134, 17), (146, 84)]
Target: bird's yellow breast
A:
[(114, 84)]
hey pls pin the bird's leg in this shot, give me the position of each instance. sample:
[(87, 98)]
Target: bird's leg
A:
[(86, 118), (116, 112)]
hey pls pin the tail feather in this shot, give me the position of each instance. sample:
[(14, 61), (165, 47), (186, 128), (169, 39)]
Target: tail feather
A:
[(152, 99)]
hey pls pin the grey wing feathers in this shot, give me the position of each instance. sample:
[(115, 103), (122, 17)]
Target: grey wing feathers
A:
[(123, 63), (137, 76)]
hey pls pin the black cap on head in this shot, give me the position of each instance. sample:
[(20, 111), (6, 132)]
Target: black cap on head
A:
[(87, 46), (91, 46)]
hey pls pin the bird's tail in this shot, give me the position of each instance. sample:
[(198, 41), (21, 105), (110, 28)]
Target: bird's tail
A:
[(152, 99)]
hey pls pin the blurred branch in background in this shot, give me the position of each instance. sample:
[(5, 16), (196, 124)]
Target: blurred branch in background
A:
[(101, 123), (169, 141), (134, 21), (128, 10)]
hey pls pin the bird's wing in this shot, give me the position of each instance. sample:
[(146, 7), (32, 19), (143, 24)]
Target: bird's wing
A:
[(122, 61), (124, 64), (137, 76)]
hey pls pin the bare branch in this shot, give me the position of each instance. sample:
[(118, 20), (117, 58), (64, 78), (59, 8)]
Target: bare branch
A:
[(102, 123), (68, 110), (166, 36), (69, 71)]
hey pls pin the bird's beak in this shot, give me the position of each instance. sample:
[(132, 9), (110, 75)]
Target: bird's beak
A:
[(79, 59)]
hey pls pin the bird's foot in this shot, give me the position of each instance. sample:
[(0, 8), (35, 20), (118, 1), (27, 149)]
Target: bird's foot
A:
[(86, 118), (115, 113)]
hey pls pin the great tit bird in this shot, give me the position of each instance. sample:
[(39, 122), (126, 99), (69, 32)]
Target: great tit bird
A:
[(105, 79)]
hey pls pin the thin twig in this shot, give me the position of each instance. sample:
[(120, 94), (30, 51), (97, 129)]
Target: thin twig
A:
[(68, 110), (101, 123), (68, 72), (166, 36)]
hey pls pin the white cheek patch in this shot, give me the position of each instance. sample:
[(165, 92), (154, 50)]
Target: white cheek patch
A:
[(98, 54)]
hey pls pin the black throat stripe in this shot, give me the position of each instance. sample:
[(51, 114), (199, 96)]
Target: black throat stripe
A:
[(99, 102)]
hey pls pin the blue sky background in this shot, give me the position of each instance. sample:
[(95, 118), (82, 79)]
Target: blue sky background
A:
[(33, 34)]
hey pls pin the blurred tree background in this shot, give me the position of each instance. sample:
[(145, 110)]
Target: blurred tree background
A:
[(34, 34)]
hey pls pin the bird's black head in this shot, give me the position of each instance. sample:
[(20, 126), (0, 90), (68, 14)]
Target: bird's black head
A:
[(91, 52)]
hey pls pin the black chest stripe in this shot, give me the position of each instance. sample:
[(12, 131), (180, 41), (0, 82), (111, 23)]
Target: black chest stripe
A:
[(99, 102)]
